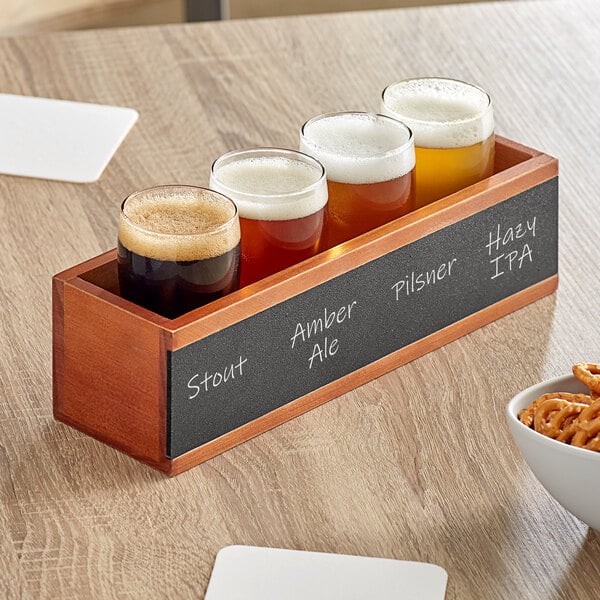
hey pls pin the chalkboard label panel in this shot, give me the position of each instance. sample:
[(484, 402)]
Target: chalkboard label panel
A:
[(273, 357)]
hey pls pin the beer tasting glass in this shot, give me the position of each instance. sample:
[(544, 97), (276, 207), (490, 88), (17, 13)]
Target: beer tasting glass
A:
[(281, 197), (369, 160), (178, 248), (453, 125)]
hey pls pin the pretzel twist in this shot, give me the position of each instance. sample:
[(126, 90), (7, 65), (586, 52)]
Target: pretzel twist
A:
[(556, 418), (588, 373), (570, 418), (527, 415), (588, 428)]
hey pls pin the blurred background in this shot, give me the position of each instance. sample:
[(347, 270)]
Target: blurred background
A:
[(31, 16)]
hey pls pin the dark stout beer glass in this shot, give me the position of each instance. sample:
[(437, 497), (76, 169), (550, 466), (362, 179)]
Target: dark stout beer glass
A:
[(281, 197), (178, 248)]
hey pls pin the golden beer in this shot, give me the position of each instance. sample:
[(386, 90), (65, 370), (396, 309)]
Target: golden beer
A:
[(453, 127), (369, 160)]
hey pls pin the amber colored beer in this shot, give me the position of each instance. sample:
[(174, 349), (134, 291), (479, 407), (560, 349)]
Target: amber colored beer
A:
[(453, 127), (271, 246), (281, 197), (379, 203), (369, 160), (178, 248)]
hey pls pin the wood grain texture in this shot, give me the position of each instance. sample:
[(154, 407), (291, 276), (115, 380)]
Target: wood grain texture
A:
[(244, 9), (35, 16), (418, 464), (110, 373)]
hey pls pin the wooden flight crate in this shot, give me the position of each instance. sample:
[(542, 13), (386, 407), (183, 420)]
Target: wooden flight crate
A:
[(174, 393)]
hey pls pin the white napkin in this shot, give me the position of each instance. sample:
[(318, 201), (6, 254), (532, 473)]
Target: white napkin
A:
[(250, 573), (59, 139)]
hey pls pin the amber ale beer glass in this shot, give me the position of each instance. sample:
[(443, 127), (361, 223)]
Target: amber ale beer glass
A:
[(369, 160), (453, 126), (178, 248), (281, 197)]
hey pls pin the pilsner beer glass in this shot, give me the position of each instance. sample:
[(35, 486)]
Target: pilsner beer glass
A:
[(453, 125), (281, 197), (369, 160), (178, 248)]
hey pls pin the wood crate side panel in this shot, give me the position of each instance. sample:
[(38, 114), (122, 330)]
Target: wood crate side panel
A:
[(58, 339), (114, 376), (363, 375)]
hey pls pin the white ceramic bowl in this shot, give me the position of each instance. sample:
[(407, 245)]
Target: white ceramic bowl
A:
[(571, 475)]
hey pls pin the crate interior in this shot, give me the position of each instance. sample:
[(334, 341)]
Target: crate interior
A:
[(105, 276)]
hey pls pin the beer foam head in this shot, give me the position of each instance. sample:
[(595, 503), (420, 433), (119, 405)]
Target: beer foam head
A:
[(271, 184), (359, 147), (179, 223), (443, 113)]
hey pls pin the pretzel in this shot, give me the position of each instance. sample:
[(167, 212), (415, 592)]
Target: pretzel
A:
[(588, 373), (526, 416), (588, 428), (570, 418), (556, 418)]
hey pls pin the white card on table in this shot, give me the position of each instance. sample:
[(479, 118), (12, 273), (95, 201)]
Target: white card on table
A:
[(59, 139), (250, 573)]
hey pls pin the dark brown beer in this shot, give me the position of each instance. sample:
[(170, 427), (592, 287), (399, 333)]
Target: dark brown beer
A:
[(178, 249)]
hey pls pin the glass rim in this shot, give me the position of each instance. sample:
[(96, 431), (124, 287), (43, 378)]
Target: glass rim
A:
[(276, 151), (482, 113), (174, 186), (397, 150)]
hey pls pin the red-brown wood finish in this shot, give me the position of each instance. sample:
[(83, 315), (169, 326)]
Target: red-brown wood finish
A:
[(109, 355)]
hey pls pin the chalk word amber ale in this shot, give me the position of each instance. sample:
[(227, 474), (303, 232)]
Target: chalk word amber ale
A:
[(178, 248), (453, 127), (281, 197), (369, 160)]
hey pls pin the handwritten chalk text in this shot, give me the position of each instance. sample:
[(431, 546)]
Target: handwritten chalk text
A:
[(215, 379), (322, 349), (415, 282), (511, 253)]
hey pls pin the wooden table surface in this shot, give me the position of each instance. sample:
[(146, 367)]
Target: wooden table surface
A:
[(418, 464)]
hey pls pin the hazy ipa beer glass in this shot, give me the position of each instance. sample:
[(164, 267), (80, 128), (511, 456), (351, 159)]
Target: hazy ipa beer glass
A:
[(453, 126), (178, 248), (369, 160), (281, 197)]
